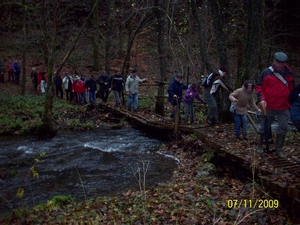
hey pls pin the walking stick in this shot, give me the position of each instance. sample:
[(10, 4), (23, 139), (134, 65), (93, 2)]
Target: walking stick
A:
[(252, 123), (176, 116), (236, 124), (266, 130)]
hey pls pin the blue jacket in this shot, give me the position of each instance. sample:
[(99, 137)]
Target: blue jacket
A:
[(175, 88), (16, 67), (295, 108)]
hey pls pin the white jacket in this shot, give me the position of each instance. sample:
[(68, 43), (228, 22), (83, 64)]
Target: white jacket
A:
[(66, 82), (132, 84)]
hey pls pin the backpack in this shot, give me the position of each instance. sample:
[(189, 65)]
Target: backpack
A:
[(207, 81), (294, 94)]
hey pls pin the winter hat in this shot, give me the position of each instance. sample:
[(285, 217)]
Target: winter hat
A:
[(134, 71), (280, 57), (179, 75)]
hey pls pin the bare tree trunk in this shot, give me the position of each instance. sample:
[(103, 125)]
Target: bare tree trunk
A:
[(159, 104), (222, 54), (109, 34), (130, 40), (24, 48), (219, 34), (253, 38), (95, 43), (206, 66), (47, 130)]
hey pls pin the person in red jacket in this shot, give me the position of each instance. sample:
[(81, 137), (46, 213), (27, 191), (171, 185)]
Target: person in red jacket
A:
[(10, 71), (79, 89), (42, 80), (273, 88)]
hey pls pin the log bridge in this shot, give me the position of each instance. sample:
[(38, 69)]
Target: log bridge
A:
[(280, 176)]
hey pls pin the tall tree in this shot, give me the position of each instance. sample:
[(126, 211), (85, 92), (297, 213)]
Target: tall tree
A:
[(219, 33), (134, 24), (109, 34), (95, 39), (24, 45), (222, 51), (159, 105), (47, 130), (253, 40), (206, 66)]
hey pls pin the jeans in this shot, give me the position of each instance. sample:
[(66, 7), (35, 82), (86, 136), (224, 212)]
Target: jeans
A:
[(211, 101), (189, 112), (17, 77), (59, 90), (240, 121), (132, 98), (81, 98), (11, 76), (92, 97), (69, 95), (118, 97), (104, 95)]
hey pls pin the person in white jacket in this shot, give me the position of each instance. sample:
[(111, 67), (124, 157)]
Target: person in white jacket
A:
[(132, 89), (67, 83), (211, 92)]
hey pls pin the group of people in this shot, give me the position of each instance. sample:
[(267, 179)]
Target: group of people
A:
[(77, 87), (176, 88), (276, 94), (40, 78), (13, 74), (13, 71), (278, 98)]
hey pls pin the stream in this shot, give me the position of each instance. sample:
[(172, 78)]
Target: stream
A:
[(81, 164)]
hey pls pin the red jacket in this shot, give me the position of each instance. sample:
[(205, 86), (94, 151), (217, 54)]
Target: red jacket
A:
[(9, 67), (273, 91), (79, 87), (42, 76)]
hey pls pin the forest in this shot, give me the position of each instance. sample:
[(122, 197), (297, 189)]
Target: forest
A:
[(159, 39)]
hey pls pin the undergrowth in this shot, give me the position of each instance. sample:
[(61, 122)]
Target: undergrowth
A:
[(22, 114)]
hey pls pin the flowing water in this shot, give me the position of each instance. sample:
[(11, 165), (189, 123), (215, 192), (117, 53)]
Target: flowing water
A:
[(80, 164)]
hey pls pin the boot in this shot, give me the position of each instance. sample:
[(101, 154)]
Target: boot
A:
[(245, 136), (260, 148), (279, 145)]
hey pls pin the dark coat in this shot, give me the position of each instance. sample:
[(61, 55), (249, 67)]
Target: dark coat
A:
[(104, 82), (175, 88), (117, 83), (58, 80), (91, 84)]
